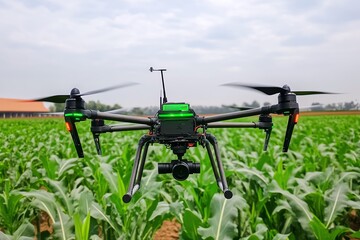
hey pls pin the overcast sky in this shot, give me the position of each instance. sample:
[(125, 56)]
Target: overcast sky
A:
[(48, 47)]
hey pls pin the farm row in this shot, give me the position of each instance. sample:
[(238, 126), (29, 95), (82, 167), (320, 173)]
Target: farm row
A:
[(312, 192)]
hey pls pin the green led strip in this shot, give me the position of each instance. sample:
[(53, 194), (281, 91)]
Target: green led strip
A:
[(175, 115), (74, 115), (176, 107)]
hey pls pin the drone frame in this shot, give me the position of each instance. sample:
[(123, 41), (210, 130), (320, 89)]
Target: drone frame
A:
[(178, 131)]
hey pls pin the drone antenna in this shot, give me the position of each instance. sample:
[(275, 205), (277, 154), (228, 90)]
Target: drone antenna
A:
[(163, 83), (160, 98)]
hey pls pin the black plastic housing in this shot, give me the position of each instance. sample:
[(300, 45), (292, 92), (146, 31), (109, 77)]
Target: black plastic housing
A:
[(180, 169), (71, 127)]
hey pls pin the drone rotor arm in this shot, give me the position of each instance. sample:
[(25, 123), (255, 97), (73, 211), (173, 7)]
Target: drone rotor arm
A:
[(120, 118), (132, 127), (261, 125), (234, 115)]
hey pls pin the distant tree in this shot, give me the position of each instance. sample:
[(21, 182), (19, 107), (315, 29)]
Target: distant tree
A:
[(95, 105), (137, 111), (52, 108), (350, 105), (57, 107), (317, 107), (254, 104)]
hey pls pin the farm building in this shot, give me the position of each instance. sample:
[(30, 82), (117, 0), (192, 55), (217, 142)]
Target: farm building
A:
[(10, 108)]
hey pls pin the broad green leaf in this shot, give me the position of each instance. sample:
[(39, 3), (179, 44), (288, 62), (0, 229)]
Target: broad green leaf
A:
[(191, 222), (337, 202), (61, 192), (98, 213), (255, 173), (299, 207), (46, 202), (110, 176), (78, 226), (222, 222), (319, 229), (3, 236), (316, 203), (85, 201), (43, 200), (280, 236), (86, 226), (63, 226), (356, 234), (66, 165), (323, 233), (10, 206), (259, 234), (162, 209), (25, 232), (82, 227)]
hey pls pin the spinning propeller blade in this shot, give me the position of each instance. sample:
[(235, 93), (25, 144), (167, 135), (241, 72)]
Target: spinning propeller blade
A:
[(237, 107), (62, 98), (271, 90)]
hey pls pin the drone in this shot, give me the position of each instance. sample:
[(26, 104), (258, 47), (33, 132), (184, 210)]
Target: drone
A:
[(178, 127)]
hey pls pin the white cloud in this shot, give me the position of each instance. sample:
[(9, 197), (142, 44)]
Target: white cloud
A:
[(212, 41)]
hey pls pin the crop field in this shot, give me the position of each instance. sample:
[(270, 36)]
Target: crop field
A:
[(311, 192)]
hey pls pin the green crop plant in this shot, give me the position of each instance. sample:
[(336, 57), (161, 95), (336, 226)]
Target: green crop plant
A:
[(306, 193)]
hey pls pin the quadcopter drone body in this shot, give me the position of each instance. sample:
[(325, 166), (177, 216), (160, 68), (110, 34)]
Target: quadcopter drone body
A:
[(178, 127)]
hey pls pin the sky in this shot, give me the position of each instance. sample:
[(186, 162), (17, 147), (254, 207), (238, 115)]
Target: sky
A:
[(48, 47)]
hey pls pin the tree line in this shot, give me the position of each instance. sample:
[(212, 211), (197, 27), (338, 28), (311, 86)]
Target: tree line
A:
[(97, 105)]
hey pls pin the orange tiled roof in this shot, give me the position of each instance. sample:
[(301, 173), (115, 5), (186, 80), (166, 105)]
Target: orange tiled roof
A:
[(16, 105)]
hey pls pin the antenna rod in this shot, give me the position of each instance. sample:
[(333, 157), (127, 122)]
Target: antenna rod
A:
[(162, 79)]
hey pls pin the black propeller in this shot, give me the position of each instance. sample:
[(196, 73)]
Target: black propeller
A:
[(271, 90), (76, 93), (237, 107)]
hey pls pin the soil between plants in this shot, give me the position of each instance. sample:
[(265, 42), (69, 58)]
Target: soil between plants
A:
[(168, 231)]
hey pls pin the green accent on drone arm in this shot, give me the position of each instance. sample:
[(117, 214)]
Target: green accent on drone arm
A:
[(74, 115)]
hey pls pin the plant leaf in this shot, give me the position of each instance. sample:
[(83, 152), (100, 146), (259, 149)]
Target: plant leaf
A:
[(191, 222), (25, 232), (298, 206), (337, 202), (222, 223), (97, 212), (66, 165)]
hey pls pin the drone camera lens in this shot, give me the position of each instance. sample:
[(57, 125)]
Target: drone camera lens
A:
[(180, 169)]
